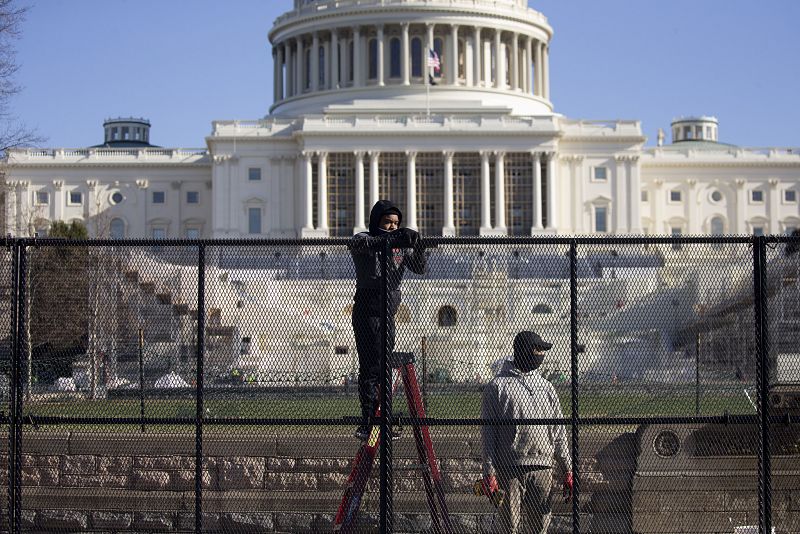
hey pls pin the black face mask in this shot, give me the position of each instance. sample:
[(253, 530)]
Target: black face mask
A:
[(528, 362)]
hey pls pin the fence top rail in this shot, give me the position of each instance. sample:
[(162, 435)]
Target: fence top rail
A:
[(426, 241)]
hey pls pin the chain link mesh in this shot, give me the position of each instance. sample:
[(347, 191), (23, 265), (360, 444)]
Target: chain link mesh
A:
[(662, 334)]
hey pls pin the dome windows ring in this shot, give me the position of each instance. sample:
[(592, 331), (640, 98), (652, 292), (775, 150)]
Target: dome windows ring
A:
[(116, 198), (716, 196)]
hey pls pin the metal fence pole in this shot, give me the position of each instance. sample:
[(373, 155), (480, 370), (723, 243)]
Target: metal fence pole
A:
[(22, 349), (386, 519), (198, 469), (12, 427), (573, 330), (762, 377)]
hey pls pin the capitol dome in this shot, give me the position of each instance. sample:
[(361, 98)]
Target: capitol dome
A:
[(380, 55)]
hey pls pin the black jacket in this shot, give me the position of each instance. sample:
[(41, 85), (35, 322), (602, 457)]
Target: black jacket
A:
[(365, 248)]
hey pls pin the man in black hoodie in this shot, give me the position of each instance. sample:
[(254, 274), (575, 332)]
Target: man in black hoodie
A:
[(365, 247)]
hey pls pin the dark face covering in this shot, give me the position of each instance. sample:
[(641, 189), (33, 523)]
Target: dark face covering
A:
[(528, 362)]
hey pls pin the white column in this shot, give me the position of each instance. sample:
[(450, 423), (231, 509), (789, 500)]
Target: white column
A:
[(334, 59), (620, 191), (774, 206), (359, 185), (577, 195), (374, 190), (11, 204), (657, 202), (499, 75), (428, 48), (405, 64), (307, 192), (452, 69), (500, 192), (298, 74), (546, 77), (537, 192), (741, 206), (380, 58), (537, 70), (528, 63), (514, 61), (322, 191), (411, 199), (274, 74), (357, 62), (486, 195), (552, 197), (691, 207), (476, 56), (449, 228), (281, 60), (635, 186), (314, 81)]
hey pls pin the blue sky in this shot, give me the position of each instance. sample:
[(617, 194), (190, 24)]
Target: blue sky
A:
[(184, 63)]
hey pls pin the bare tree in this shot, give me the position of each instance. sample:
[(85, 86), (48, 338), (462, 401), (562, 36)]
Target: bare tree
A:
[(13, 133)]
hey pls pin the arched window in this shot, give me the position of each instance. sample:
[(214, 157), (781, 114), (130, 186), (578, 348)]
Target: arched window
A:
[(307, 81), (117, 229), (321, 67), (394, 54), (462, 58), (542, 309), (416, 56), (446, 316), (373, 59), (438, 46), (403, 315), (717, 226)]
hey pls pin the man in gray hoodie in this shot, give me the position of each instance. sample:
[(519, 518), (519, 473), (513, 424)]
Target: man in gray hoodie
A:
[(518, 459)]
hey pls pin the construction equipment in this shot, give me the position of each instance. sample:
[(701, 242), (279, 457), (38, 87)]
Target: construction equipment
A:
[(346, 517)]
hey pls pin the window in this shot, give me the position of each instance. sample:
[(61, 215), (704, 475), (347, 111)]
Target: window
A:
[(676, 231), (675, 195), (126, 135), (416, 56), (438, 46), (159, 197), (159, 233), (790, 196), (757, 196), (601, 219), (758, 231), (75, 198), (254, 220), (192, 197), (446, 316), (321, 69), (394, 54), (687, 132), (542, 309), (716, 196), (645, 197), (117, 197), (307, 81), (600, 174), (192, 233), (42, 198), (373, 59), (717, 226), (117, 229), (254, 174)]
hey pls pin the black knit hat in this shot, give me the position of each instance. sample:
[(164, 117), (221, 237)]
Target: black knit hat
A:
[(526, 341)]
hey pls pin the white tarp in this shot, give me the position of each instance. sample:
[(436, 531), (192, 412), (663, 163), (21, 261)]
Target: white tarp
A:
[(171, 380)]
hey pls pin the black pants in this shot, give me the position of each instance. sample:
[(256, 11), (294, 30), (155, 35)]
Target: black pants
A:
[(367, 331)]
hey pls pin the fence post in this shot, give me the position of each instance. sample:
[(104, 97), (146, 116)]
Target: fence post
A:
[(573, 331), (198, 467), (13, 370), (762, 376), (22, 346), (386, 519)]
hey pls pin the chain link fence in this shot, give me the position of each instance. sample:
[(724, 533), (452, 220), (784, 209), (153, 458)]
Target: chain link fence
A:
[(215, 385)]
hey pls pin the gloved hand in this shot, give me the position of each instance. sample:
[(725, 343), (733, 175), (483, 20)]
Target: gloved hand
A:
[(568, 483), (490, 484), (405, 238)]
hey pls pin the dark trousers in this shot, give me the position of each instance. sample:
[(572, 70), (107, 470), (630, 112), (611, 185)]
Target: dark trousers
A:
[(367, 331)]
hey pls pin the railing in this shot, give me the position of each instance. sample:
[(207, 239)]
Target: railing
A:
[(664, 376)]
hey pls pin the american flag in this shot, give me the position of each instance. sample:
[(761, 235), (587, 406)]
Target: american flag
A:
[(433, 60)]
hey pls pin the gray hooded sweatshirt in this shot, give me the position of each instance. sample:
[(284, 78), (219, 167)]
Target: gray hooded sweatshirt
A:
[(513, 394)]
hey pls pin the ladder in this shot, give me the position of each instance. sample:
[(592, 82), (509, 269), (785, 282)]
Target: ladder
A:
[(347, 515)]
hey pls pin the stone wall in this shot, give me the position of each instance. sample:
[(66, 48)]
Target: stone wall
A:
[(82, 481)]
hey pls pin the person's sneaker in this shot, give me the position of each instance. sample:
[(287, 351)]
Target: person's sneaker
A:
[(362, 432)]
